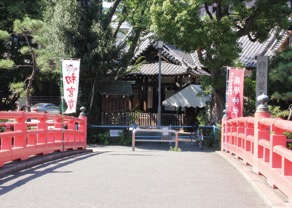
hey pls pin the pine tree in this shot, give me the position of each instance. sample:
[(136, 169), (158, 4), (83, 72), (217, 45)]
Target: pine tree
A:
[(26, 33)]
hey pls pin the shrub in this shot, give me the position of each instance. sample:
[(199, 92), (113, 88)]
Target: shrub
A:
[(103, 138), (175, 149), (97, 138), (125, 137), (2, 128)]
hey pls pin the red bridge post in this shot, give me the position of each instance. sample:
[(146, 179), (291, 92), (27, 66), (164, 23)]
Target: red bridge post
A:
[(262, 111)]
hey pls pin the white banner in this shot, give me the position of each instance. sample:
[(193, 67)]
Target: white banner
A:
[(70, 71)]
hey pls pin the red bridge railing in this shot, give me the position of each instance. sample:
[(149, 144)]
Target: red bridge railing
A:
[(261, 142), (25, 134)]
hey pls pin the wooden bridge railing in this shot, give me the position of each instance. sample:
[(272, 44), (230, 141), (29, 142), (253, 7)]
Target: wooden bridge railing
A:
[(261, 142), (25, 134)]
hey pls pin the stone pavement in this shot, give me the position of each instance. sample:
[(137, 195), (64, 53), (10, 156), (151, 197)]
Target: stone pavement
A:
[(150, 177)]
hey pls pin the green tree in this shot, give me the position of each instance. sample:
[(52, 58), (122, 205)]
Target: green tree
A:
[(9, 46), (280, 79), (12, 10), (82, 29), (28, 31), (212, 28), (75, 30)]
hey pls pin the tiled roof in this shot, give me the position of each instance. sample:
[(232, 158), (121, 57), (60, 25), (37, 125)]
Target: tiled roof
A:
[(144, 44), (170, 52), (191, 60), (167, 69), (179, 54), (196, 60), (252, 49)]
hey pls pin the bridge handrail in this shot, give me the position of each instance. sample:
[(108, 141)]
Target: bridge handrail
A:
[(30, 133), (260, 142)]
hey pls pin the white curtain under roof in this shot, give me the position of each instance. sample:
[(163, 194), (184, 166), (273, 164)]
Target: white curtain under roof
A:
[(191, 96)]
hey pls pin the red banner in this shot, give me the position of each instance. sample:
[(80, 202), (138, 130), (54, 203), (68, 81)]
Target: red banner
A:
[(235, 92)]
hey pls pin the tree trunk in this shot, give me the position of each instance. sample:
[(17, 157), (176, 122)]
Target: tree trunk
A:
[(31, 77), (219, 96)]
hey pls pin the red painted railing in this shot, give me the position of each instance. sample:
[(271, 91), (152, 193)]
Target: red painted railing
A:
[(259, 141), (25, 134)]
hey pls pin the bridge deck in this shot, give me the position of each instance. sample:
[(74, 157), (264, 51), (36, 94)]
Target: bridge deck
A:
[(114, 176)]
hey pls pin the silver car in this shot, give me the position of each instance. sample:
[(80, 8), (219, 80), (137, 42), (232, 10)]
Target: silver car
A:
[(46, 107)]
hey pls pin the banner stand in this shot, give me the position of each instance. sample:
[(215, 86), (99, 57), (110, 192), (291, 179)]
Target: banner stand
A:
[(62, 104), (69, 78), (235, 92), (226, 105)]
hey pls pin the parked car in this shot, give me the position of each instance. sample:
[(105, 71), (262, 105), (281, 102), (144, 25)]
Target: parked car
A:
[(46, 107)]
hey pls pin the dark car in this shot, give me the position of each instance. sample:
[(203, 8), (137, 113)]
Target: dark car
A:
[(46, 107)]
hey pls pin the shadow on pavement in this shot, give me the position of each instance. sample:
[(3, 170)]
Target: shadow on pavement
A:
[(22, 177)]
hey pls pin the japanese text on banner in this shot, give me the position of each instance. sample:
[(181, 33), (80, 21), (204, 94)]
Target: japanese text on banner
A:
[(70, 71), (235, 93)]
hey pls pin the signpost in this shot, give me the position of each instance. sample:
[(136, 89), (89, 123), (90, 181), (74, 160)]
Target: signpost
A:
[(261, 76)]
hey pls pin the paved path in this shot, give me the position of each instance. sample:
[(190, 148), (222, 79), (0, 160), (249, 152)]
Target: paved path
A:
[(116, 177)]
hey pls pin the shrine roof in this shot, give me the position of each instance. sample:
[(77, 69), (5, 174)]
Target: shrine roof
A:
[(247, 57), (167, 69)]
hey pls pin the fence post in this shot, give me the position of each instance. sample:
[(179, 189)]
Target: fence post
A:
[(133, 139), (261, 111), (83, 126), (43, 137), (20, 141)]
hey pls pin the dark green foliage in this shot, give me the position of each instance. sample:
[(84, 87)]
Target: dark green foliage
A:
[(277, 112), (2, 128), (82, 30), (125, 138), (11, 48), (249, 96), (11, 10), (280, 78), (212, 29), (209, 142), (288, 136), (103, 137), (175, 149)]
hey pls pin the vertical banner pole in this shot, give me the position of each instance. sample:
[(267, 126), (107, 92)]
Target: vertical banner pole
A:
[(62, 103), (226, 107), (61, 88), (226, 94)]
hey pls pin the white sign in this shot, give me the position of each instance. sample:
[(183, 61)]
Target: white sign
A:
[(115, 133), (70, 71)]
